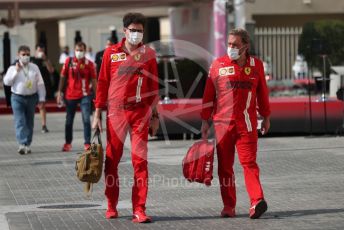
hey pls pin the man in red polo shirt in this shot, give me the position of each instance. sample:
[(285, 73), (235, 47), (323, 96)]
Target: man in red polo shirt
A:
[(76, 75), (128, 87), (236, 82)]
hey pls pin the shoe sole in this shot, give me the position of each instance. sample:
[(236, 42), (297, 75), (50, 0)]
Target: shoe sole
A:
[(259, 210), (21, 152)]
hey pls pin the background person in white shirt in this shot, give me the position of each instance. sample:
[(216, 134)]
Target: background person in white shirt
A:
[(27, 89), (89, 54), (63, 56), (300, 68)]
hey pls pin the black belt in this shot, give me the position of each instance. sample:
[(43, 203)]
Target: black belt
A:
[(26, 96)]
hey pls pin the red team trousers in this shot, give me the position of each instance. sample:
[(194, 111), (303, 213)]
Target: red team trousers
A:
[(228, 138), (120, 122)]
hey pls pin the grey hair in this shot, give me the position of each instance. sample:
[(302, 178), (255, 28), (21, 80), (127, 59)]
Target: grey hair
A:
[(245, 37)]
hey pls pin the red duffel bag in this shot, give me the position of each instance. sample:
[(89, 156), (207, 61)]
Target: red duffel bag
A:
[(198, 162)]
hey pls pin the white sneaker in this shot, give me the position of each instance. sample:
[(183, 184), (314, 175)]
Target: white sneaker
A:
[(27, 150), (22, 149)]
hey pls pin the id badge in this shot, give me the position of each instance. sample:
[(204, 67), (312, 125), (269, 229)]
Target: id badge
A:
[(28, 84)]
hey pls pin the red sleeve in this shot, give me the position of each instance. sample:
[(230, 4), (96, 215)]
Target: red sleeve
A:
[(208, 96), (103, 81), (154, 82), (64, 70), (262, 92)]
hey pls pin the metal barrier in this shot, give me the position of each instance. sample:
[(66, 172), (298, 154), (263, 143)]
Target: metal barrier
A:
[(280, 45)]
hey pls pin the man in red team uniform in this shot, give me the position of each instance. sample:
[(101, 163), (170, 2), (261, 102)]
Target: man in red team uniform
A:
[(76, 75), (128, 87), (235, 87)]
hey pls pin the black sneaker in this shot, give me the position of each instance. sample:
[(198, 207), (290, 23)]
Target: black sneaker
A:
[(45, 129), (258, 209)]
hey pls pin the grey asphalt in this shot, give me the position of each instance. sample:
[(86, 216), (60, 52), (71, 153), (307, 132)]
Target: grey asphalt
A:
[(302, 178)]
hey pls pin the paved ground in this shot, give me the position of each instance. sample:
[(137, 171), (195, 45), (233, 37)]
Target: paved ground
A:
[(302, 177)]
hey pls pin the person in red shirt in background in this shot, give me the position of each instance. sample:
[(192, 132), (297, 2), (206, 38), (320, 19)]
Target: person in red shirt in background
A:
[(76, 75), (128, 87), (236, 82)]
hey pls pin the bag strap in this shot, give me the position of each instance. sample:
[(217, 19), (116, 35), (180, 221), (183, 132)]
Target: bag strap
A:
[(88, 189), (97, 134), (70, 65)]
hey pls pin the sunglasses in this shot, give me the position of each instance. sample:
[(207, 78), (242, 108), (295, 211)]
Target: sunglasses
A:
[(135, 30)]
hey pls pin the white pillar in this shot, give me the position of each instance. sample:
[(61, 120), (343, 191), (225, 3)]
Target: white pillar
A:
[(239, 12), (334, 84)]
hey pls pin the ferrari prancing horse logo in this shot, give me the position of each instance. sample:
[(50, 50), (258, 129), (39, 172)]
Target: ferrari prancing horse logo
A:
[(137, 57), (247, 70)]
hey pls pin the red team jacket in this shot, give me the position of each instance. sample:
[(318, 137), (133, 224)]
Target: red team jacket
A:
[(126, 79), (79, 75), (232, 91)]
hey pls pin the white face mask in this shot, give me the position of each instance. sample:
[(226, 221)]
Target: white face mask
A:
[(24, 59), (233, 53), (79, 54), (135, 38), (40, 54)]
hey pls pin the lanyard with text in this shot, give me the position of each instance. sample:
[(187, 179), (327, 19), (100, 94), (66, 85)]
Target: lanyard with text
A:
[(28, 82)]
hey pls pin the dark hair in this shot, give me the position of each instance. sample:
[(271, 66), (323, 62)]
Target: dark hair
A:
[(111, 39), (23, 48), (40, 45), (136, 18), (80, 44)]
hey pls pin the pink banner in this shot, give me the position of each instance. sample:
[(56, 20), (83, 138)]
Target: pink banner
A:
[(220, 38)]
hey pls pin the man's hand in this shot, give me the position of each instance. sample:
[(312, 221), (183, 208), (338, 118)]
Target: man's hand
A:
[(154, 122), (205, 129), (97, 123), (59, 98), (265, 125), (44, 57), (18, 66), (153, 126), (41, 105)]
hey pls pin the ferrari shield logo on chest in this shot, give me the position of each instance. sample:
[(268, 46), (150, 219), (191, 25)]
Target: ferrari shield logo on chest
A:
[(137, 57), (226, 71), (118, 57), (247, 70)]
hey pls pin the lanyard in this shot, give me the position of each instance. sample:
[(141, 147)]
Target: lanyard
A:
[(26, 71), (28, 83)]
